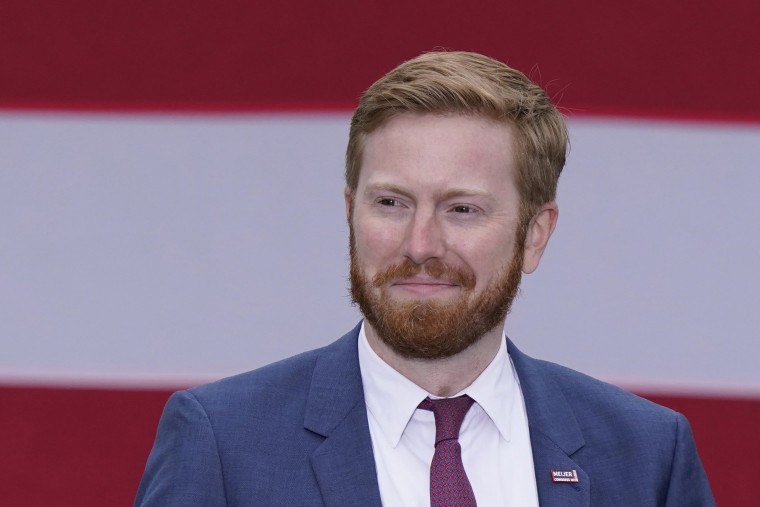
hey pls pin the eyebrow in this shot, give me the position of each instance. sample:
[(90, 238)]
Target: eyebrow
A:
[(462, 192), (448, 194), (386, 187)]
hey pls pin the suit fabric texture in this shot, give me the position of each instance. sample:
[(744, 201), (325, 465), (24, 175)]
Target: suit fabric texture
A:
[(295, 433)]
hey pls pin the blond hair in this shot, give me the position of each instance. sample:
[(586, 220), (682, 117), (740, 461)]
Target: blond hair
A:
[(471, 84)]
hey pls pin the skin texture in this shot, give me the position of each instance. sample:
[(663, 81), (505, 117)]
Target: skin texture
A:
[(437, 192)]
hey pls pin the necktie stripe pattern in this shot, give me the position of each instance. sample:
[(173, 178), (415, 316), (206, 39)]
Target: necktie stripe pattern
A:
[(449, 485)]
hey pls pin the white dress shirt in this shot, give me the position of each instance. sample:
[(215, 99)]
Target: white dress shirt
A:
[(494, 436)]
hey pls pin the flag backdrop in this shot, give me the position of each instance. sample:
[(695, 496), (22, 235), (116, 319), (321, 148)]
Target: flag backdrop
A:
[(171, 209)]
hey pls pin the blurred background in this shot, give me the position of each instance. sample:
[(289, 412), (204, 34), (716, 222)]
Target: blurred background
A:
[(171, 209)]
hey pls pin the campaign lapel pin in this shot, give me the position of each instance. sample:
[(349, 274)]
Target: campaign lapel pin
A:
[(564, 476)]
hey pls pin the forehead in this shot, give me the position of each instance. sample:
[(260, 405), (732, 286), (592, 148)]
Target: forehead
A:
[(431, 149)]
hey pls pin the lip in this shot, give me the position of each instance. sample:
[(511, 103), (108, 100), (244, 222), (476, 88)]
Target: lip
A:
[(423, 286)]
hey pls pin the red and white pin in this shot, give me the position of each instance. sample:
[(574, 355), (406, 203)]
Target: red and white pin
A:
[(564, 476)]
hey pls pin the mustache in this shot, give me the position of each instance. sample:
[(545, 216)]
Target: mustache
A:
[(435, 268)]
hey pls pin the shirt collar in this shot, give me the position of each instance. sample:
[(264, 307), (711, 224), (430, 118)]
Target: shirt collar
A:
[(392, 399)]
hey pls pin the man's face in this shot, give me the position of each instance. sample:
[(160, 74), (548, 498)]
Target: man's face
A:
[(434, 259)]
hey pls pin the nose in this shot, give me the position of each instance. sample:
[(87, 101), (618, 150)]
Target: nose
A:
[(424, 238)]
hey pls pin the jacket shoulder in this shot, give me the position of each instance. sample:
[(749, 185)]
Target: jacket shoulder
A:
[(601, 397), (279, 381), (245, 436), (634, 451)]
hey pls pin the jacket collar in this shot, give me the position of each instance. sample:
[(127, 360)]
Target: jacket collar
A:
[(343, 464), (555, 434)]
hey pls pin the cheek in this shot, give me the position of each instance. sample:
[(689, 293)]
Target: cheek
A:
[(486, 257), (376, 244)]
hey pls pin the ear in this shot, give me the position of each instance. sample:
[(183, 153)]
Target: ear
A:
[(540, 229), (347, 195)]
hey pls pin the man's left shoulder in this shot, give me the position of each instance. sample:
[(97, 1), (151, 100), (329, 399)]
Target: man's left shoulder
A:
[(558, 399), (634, 451), (601, 398), (586, 395)]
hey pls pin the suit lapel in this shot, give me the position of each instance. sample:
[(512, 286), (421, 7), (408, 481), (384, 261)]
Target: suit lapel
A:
[(554, 434), (343, 464), (547, 457)]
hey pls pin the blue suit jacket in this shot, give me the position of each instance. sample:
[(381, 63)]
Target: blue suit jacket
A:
[(296, 433)]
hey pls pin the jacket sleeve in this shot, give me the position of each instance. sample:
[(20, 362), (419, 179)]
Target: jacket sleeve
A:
[(184, 468), (688, 481)]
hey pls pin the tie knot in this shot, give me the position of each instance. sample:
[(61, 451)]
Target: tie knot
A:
[(449, 414)]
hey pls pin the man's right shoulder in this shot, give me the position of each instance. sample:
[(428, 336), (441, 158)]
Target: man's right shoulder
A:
[(226, 442), (287, 379)]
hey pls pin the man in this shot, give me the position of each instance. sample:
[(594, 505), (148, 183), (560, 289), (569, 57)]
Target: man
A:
[(451, 173)]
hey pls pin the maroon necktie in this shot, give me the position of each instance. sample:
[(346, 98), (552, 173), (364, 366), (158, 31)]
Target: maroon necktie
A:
[(449, 484)]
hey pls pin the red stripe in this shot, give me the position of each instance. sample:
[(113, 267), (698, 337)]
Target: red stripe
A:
[(727, 439), (88, 447), (645, 57), (74, 446)]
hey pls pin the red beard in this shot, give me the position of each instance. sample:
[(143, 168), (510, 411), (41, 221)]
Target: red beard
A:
[(429, 329)]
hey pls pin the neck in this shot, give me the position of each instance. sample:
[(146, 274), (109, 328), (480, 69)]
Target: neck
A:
[(445, 376)]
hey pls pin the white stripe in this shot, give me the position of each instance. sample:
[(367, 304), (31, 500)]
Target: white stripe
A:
[(149, 247)]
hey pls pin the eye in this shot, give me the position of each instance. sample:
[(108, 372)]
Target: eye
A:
[(463, 208), (387, 201)]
